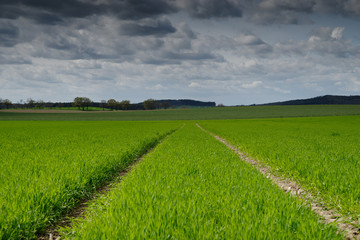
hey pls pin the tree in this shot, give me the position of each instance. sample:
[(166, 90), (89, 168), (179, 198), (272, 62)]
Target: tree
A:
[(82, 102), (7, 103), (150, 104), (77, 102), (125, 104), (87, 103), (112, 103), (166, 105), (60, 105), (30, 103), (103, 104), (40, 104)]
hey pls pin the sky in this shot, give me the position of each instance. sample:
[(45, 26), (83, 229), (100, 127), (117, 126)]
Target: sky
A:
[(233, 52)]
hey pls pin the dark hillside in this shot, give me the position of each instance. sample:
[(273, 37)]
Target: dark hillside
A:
[(322, 100)]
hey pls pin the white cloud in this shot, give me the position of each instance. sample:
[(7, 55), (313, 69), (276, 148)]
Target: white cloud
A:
[(337, 33), (253, 84), (194, 85)]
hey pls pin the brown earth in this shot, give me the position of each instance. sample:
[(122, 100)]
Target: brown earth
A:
[(45, 111)]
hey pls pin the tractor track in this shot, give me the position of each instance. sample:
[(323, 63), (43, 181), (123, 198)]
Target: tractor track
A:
[(52, 232), (290, 186)]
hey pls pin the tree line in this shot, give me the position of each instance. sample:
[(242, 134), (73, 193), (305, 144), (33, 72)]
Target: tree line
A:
[(83, 103)]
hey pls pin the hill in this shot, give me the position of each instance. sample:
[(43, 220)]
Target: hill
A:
[(322, 100), (186, 102)]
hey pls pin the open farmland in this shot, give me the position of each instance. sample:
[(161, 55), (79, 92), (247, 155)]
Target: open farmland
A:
[(47, 166), (244, 112), (322, 154), (194, 187), (191, 186)]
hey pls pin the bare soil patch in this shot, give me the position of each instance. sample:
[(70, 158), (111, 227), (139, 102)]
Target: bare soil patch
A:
[(44, 111), (290, 186)]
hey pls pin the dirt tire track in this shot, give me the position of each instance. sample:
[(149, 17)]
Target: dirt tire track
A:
[(289, 186), (52, 233)]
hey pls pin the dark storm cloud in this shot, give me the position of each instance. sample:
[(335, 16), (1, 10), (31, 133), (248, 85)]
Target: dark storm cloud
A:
[(65, 8), (123, 9), (212, 8), (39, 16), (260, 11), (137, 9), (158, 27), (294, 11), (343, 7), (8, 34)]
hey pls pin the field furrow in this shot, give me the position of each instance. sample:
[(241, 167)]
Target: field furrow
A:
[(290, 186), (47, 167), (322, 154), (193, 187)]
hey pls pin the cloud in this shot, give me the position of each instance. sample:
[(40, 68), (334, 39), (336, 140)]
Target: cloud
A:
[(337, 33), (189, 56), (112, 46), (326, 40), (253, 84), (278, 89), (138, 9), (261, 11), (243, 44), (64, 8), (297, 11), (194, 85), (145, 27), (322, 41), (281, 11), (9, 34), (6, 60), (49, 12), (211, 8), (348, 8)]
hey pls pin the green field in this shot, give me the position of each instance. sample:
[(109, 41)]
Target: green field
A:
[(322, 154), (47, 166), (194, 187), (246, 112), (191, 186)]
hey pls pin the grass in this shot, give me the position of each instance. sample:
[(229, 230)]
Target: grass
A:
[(46, 167), (193, 187), (323, 154), (246, 112)]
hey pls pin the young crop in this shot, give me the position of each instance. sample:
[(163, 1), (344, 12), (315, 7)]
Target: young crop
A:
[(46, 167), (243, 112), (322, 154), (193, 187)]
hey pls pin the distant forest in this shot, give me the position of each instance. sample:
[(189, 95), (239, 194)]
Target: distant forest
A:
[(84, 103), (322, 100)]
